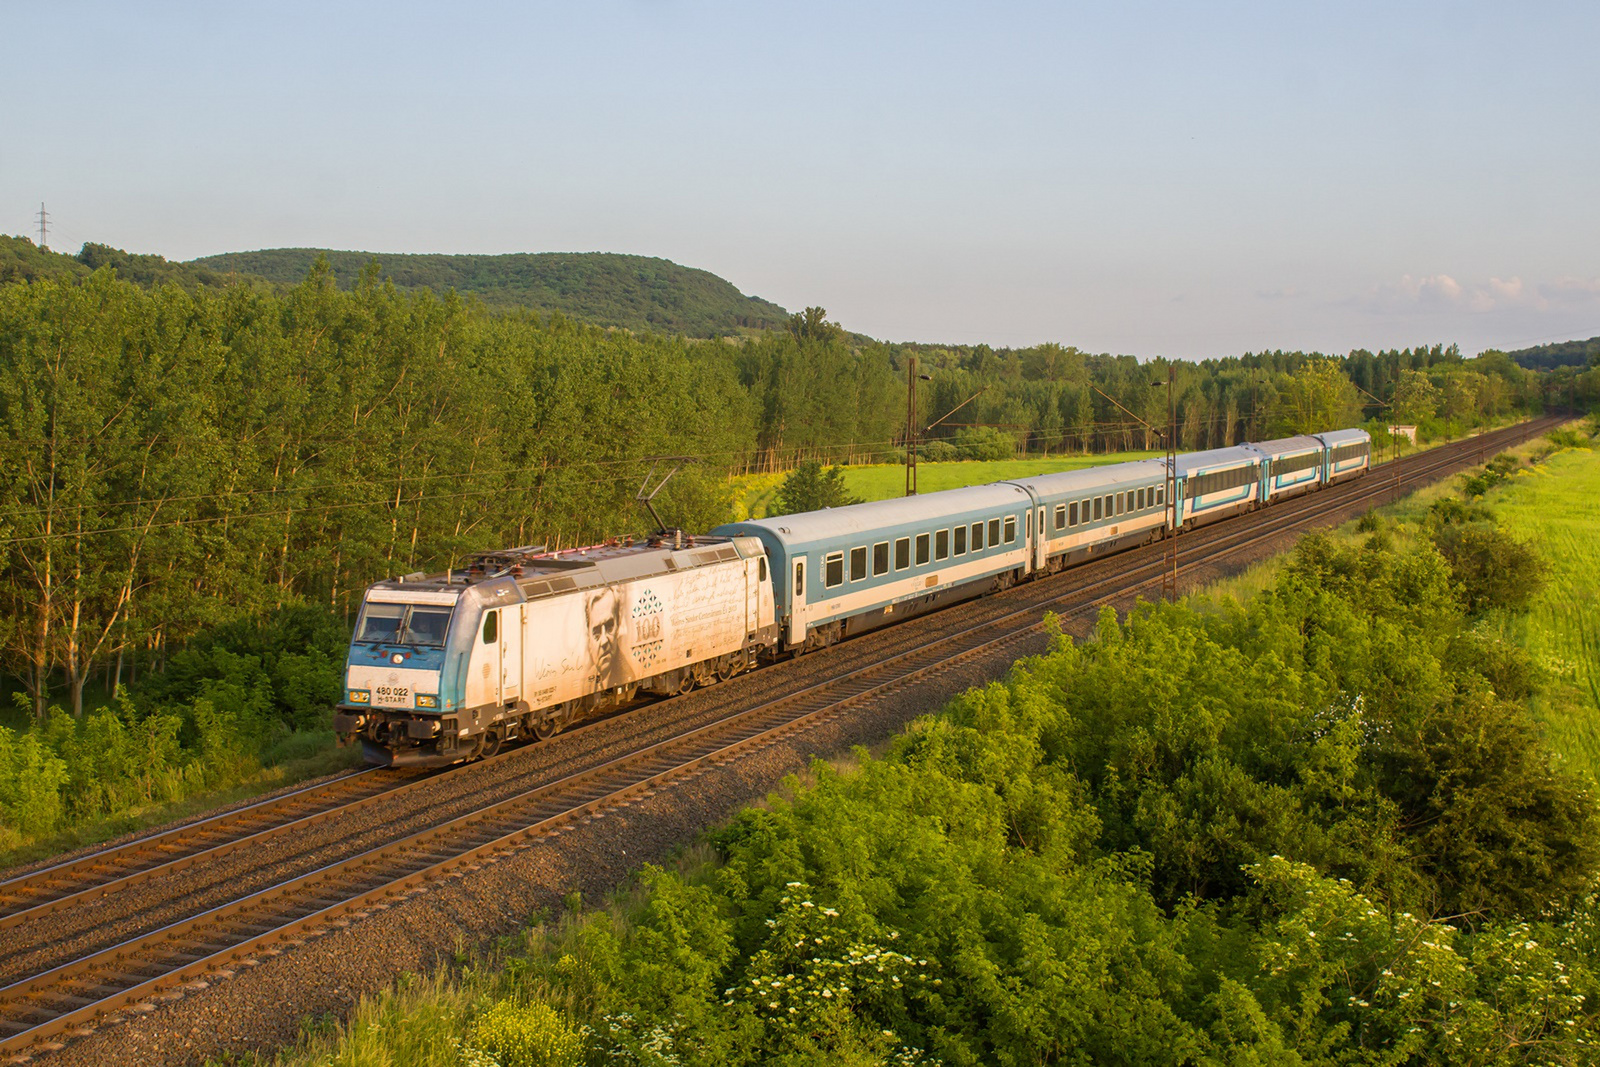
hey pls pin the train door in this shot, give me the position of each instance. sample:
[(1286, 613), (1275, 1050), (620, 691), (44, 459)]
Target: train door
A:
[(755, 576), (797, 600), (1041, 543), (484, 687), (511, 653)]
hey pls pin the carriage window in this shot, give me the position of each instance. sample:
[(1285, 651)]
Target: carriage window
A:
[(1011, 528), (941, 544), (491, 627), (1099, 503), (961, 540), (922, 549), (994, 532), (1118, 503), (1072, 514), (977, 537), (1141, 501), (1061, 516), (880, 558), (902, 553), (858, 563), (833, 569), (1161, 496)]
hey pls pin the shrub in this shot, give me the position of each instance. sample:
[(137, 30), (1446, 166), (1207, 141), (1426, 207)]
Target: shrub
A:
[(1492, 569), (527, 1035), (939, 451), (984, 443)]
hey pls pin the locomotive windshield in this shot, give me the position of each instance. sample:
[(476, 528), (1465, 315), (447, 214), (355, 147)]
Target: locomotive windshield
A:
[(403, 624)]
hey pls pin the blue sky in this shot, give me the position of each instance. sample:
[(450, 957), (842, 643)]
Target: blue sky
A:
[(1152, 178)]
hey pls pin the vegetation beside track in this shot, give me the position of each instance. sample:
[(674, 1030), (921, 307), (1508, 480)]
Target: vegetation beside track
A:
[(1313, 825), (1542, 493)]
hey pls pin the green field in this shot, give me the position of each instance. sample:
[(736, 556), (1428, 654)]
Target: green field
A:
[(755, 495), (1553, 506)]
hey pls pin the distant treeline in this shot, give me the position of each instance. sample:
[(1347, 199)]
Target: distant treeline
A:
[(173, 457), (1561, 354)]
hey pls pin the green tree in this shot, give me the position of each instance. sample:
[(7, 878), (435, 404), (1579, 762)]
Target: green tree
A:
[(810, 488)]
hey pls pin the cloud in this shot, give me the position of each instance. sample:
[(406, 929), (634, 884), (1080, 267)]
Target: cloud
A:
[(1441, 291)]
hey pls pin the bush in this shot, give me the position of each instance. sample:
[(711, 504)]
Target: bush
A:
[(1491, 569), (984, 443), (527, 1035), (939, 451)]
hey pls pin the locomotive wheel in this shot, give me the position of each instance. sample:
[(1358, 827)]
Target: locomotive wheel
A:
[(546, 728), (685, 681), (491, 743), (727, 667)]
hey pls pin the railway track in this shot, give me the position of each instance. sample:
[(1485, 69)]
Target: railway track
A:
[(138, 973)]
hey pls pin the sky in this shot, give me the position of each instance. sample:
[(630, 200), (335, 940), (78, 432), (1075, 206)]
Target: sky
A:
[(1176, 179)]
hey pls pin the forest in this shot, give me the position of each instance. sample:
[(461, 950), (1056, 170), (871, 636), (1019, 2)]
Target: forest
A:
[(187, 471)]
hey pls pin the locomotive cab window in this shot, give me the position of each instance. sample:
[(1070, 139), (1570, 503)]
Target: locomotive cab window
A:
[(961, 540), (941, 544), (902, 553), (491, 627), (763, 569), (977, 537), (880, 559), (1011, 529), (858, 564), (833, 569), (922, 549)]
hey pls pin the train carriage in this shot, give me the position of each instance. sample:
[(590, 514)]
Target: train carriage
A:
[(843, 571), (1097, 510), (1349, 454), (1294, 465), (1217, 483)]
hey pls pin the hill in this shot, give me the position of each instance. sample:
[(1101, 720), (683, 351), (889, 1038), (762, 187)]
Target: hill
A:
[(637, 292), (1560, 354), (22, 260)]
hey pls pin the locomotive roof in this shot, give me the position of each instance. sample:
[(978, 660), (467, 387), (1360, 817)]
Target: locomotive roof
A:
[(538, 573)]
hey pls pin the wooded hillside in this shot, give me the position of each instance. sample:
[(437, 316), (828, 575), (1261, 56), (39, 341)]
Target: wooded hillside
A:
[(636, 292)]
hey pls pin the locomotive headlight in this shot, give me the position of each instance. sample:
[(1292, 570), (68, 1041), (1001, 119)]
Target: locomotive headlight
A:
[(427, 701), (358, 696)]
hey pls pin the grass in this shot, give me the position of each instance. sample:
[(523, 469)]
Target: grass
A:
[(756, 495), (1552, 505)]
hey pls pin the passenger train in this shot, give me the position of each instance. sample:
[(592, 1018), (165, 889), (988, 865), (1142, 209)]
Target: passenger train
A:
[(523, 642)]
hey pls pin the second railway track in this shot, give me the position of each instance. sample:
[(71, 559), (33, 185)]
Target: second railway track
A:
[(140, 971)]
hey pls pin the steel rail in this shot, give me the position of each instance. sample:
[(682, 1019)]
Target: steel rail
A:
[(382, 872)]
